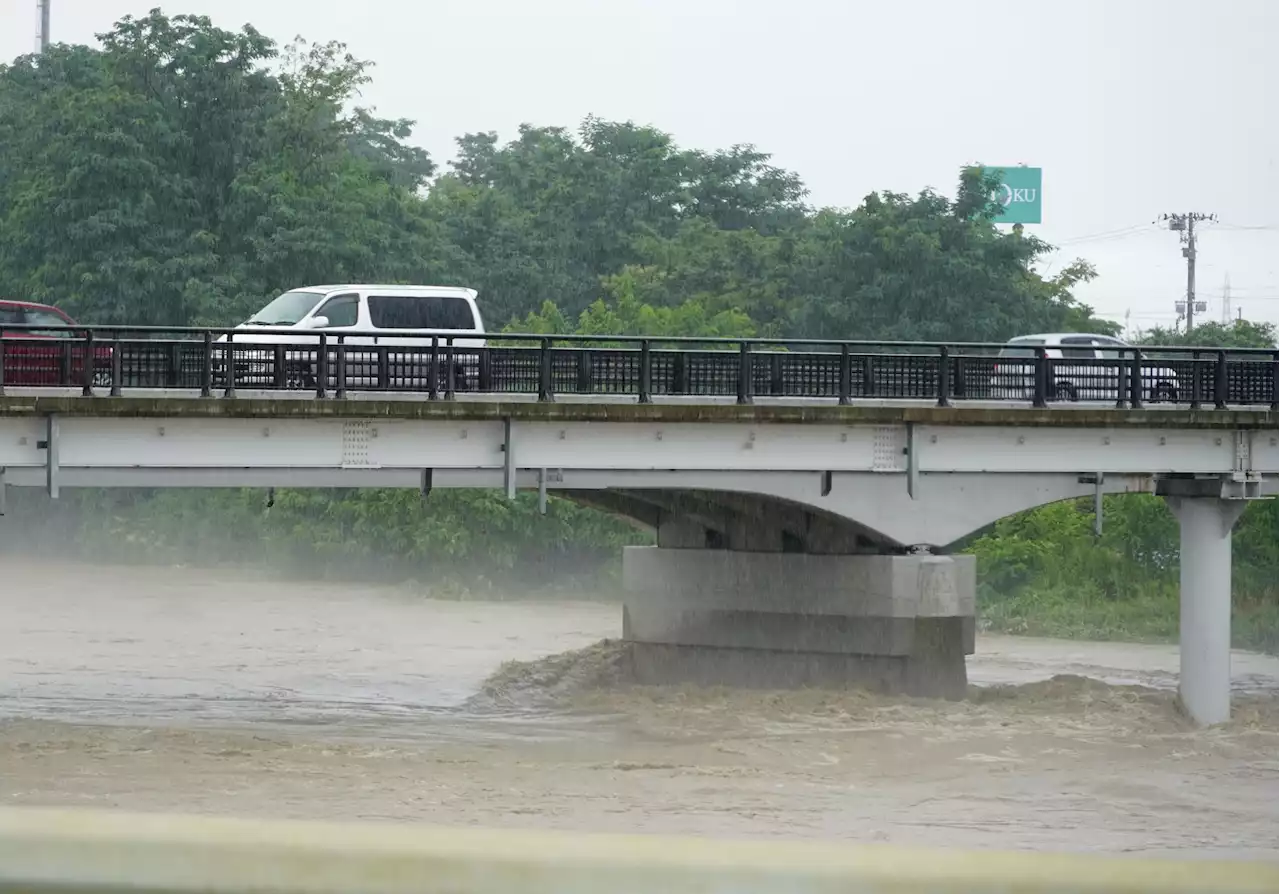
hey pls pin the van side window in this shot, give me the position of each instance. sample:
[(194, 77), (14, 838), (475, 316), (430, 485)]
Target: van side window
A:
[(1109, 348), (1079, 348), (342, 310), (426, 312)]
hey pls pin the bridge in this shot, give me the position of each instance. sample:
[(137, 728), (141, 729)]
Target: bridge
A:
[(804, 495)]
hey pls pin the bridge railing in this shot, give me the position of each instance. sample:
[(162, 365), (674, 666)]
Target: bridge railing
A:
[(76, 853), (109, 360)]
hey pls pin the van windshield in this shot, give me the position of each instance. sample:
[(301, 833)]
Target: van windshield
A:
[(286, 310)]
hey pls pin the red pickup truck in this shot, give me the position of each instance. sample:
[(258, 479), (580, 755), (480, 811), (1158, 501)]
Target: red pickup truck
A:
[(46, 356)]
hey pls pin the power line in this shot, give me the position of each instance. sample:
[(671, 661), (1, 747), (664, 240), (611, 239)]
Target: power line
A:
[(1121, 233), (1185, 226), (1231, 226)]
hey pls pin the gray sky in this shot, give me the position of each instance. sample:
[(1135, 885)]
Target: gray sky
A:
[(1132, 107)]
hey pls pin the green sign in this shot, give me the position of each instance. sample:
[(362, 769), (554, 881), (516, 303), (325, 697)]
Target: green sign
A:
[(1019, 194)]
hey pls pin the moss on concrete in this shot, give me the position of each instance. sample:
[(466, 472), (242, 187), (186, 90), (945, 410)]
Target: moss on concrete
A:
[(571, 411)]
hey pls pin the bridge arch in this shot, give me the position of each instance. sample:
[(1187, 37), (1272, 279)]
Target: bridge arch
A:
[(702, 518), (839, 512)]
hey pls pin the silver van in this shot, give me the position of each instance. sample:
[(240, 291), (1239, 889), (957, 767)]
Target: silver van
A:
[(367, 319), (1086, 367)]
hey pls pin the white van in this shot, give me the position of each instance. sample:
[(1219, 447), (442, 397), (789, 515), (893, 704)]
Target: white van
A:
[(366, 318), (1086, 367)]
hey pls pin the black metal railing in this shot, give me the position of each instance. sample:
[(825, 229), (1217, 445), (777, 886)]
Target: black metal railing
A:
[(222, 362)]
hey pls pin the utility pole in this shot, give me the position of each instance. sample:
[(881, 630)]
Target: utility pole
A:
[(1185, 226), (1226, 300), (43, 6)]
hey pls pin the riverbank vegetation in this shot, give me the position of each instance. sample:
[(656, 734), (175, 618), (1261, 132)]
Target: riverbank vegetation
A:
[(181, 174)]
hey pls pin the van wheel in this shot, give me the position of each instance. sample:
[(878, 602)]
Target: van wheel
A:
[(1066, 391), (102, 378), (1165, 393), (298, 379)]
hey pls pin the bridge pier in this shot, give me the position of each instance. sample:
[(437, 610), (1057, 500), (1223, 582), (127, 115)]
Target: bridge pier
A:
[(1204, 627), (899, 624)]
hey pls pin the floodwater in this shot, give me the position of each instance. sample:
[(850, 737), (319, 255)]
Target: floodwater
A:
[(178, 690)]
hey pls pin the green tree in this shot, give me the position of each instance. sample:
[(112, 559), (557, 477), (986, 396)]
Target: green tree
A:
[(176, 176), (1236, 334), (929, 269), (625, 314), (549, 214)]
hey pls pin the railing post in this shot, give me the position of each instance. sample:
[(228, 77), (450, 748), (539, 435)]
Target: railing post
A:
[(644, 389), (280, 368), (206, 366), (117, 366), (1220, 382), (680, 371), (846, 376), (340, 389), (1135, 380), (450, 370), (322, 365), (944, 376), (1039, 386), (384, 369), (65, 366), (1195, 380), (584, 371), (484, 370), (174, 377), (229, 362), (87, 364), (745, 379), (1, 364), (1275, 380), (433, 369), (544, 371)]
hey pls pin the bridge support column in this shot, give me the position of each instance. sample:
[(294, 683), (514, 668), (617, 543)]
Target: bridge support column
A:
[(900, 624), (1204, 679)]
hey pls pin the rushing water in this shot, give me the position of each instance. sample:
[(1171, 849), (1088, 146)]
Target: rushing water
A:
[(172, 689)]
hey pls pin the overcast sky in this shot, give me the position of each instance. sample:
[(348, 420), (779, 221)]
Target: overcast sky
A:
[(1133, 108)]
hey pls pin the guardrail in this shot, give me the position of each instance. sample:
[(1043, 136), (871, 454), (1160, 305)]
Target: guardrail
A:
[(112, 359), (76, 853)]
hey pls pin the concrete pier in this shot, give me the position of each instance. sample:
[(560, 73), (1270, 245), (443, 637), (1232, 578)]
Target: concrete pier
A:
[(1204, 634), (900, 624)]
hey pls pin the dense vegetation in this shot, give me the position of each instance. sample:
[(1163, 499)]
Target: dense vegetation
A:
[(183, 174)]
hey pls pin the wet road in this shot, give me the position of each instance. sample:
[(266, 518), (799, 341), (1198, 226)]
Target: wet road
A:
[(165, 689)]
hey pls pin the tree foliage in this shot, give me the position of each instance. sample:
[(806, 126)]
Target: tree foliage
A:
[(180, 174), (1236, 334)]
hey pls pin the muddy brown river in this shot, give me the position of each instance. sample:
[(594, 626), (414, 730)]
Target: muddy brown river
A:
[(180, 690)]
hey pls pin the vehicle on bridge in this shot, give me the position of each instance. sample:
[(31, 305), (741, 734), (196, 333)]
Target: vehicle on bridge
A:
[(415, 321), (36, 356), (1083, 366)]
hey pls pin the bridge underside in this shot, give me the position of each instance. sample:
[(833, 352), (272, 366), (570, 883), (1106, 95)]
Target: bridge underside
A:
[(708, 519)]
